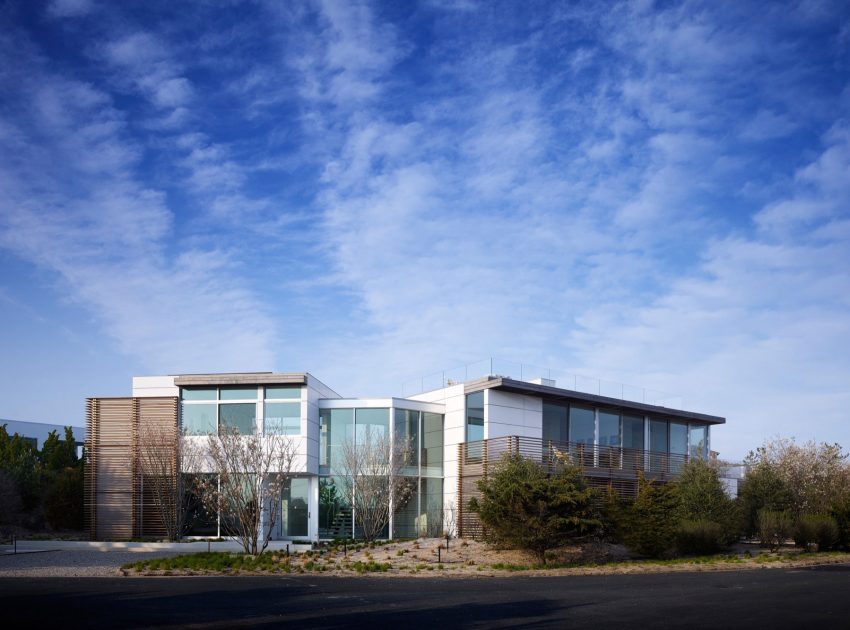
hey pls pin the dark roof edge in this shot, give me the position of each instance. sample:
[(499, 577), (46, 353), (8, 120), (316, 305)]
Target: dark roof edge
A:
[(557, 393)]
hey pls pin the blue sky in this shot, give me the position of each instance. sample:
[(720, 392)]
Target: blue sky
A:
[(648, 193)]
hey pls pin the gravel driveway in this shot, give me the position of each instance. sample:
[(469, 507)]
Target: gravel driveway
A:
[(72, 562)]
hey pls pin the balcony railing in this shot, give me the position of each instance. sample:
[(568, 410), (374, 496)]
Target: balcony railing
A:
[(601, 466)]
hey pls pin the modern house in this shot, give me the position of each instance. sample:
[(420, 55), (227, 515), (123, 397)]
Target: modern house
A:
[(457, 431)]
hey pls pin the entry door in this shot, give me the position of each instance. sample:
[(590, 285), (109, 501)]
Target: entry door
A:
[(293, 506)]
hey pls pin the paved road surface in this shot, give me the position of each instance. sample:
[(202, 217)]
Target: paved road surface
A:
[(804, 598)]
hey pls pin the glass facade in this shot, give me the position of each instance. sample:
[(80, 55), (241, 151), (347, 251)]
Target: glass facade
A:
[(555, 426), (205, 410), (422, 436), (336, 426), (282, 418), (284, 393), (633, 432), (407, 434), (238, 417), (698, 441), (475, 417), (200, 419), (582, 425), (431, 458)]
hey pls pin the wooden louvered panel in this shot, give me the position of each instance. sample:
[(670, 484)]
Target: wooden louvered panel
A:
[(117, 505)]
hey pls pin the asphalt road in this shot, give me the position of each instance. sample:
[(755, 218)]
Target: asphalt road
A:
[(803, 598)]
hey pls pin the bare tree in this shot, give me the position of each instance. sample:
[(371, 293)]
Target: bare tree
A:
[(371, 468), (450, 517), (250, 473), (163, 453)]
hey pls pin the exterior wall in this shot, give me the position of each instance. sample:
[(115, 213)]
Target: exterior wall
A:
[(312, 394), (146, 386), (453, 399), (512, 414)]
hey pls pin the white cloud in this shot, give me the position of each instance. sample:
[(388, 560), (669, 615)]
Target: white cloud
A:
[(73, 206)]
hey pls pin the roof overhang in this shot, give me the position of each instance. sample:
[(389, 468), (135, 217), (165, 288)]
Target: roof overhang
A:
[(557, 394), (240, 378)]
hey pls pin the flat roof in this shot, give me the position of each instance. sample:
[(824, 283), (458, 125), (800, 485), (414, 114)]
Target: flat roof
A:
[(557, 394), (242, 378)]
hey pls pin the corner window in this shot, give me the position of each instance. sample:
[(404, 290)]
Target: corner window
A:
[(475, 417)]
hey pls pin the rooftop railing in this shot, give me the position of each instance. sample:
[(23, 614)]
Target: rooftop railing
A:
[(527, 372)]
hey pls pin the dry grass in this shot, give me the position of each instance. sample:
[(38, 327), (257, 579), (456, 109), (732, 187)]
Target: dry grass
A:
[(469, 558)]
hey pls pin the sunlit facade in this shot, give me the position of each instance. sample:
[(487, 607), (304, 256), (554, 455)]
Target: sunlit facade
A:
[(437, 429)]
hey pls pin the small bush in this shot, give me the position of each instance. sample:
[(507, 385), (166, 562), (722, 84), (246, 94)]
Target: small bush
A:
[(774, 528), (817, 529), (695, 538)]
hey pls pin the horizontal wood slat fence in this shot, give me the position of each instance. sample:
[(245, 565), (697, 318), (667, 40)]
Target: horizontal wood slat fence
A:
[(602, 467)]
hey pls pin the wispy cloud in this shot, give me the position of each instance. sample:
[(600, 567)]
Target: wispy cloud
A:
[(653, 194), (73, 205)]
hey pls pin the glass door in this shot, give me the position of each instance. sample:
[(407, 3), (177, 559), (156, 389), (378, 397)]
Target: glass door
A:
[(293, 508)]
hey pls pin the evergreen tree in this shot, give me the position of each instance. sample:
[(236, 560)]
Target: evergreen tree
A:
[(523, 507)]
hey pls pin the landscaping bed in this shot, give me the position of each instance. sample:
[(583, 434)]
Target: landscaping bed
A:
[(429, 557)]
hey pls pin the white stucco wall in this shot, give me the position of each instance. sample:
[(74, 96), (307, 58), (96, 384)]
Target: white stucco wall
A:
[(506, 414), (147, 386)]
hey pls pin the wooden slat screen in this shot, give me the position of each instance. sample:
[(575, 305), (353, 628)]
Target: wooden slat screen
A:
[(116, 505), (602, 467)]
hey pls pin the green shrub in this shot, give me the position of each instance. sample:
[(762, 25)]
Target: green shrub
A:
[(819, 529), (63, 500), (695, 538), (702, 498), (840, 511), (650, 523), (775, 527), (521, 506)]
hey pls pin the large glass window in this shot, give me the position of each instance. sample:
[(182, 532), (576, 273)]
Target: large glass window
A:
[(371, 423), (678, 446), (475, 417), (238, 393), (609, 429), (609, 439), (407, 437), (197, 393), (337, 426), (555, 422), (406, 509), (432, 445), (678, 438), (199, 419), (582, 425), (658, 436), (633, 432), (241, 417), (334, 513), (633, 445), (283, 393), (658, 445), (431, 508), (698, 441), (282, 418)]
